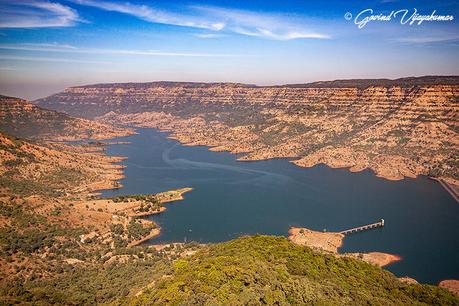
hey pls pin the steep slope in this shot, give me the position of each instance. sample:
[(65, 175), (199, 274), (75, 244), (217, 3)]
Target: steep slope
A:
[(397, 128), (59, 243), (266, 270), (54, 231), (23, 119), (53, 169)]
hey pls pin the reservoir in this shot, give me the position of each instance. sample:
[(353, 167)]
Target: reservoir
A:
[(233, 198)]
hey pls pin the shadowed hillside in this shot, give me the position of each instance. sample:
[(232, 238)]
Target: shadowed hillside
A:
[(25, 120)]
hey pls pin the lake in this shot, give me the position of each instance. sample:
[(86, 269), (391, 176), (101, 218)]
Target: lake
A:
[(233, 198)]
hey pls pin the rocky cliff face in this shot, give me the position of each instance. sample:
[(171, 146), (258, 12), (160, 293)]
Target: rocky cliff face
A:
[(23, 119), (397, 128)]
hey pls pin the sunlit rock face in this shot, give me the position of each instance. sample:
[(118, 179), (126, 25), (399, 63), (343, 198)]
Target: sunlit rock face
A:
[(397, 128)]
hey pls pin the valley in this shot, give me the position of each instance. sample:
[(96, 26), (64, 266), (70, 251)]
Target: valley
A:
[(220, 153), (58, 235), (397, 128)]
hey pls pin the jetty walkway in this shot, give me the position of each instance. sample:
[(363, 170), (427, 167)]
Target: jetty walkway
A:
[(363, 228)]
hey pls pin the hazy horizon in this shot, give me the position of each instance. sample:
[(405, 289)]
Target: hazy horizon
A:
[(60, 88)]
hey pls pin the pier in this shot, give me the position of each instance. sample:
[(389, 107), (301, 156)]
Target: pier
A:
[(363, 228)]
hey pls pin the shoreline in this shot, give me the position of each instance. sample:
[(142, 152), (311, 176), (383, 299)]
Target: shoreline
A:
[(111, 182), (164, 197), (376, 258), (122, 213), (296, 160), (157, 231), (154, 233), (330, 242), (452, 189), (189, 132)]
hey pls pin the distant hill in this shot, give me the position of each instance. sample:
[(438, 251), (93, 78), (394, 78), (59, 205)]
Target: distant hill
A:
[(365, 83), (23, 119), (349, 83), (267, 270), (168, 84)]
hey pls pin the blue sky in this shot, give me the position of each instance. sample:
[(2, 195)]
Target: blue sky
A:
[(46, 46)]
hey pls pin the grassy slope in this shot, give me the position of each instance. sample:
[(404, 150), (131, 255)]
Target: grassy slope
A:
[(272, 270)]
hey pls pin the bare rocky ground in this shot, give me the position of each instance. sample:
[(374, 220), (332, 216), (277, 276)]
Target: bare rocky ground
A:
[(451, 284)]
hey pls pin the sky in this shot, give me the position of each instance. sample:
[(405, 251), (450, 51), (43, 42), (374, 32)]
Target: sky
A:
[(48, 45)]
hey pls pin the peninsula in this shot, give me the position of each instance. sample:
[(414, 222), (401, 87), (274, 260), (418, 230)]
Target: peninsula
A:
[(330, 242)]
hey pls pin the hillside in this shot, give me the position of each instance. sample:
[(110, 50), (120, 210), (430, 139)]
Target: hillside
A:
[(53, 169), (52, 222), (398, 128), (25, 120), (61, 245), (55, 231), (265, 270)]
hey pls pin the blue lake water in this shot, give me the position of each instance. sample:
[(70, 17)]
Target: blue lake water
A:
[(233, 198)]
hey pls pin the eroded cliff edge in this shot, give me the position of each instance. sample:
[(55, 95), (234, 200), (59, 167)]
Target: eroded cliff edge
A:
[(397, 128)]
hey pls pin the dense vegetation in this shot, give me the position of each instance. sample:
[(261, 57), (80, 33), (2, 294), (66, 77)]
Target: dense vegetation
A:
[(88, 285), (246, 271), (96, 282), (29, 233), (272, 270)]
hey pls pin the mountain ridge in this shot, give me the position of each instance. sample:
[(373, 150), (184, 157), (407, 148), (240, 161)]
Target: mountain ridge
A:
[(339, 83)]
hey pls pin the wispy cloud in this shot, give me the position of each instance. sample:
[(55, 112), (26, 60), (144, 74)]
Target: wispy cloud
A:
[(150, 14), (208, 35), (36, 14), (428, 39), (49, 59), (264, 25), (72, 49), (273, 26)]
